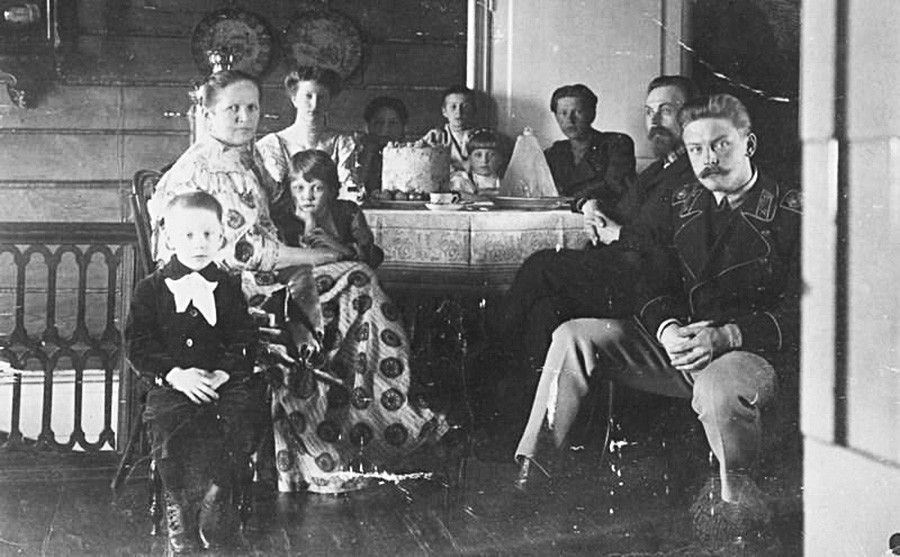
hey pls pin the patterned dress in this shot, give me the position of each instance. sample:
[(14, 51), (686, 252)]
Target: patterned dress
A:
[(349, 408), (329, 436)]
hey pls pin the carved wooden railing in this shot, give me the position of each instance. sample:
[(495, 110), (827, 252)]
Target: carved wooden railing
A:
[(64, 292)]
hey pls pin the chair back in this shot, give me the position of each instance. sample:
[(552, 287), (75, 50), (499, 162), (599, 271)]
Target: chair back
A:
[(142, 186)]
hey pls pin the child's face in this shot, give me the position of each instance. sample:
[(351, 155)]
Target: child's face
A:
[(313, 196), (194, 234), (459, 111), (485, 162)]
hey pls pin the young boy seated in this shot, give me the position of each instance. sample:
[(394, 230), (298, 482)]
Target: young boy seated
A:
[(320, 219), (486, 158), (189, 331), (458, 109)]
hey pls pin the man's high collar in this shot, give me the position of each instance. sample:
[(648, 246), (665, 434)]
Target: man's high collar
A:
[(736, 198), (175, 270)]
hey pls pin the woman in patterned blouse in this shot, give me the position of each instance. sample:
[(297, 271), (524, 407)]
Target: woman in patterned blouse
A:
[(346, 361)]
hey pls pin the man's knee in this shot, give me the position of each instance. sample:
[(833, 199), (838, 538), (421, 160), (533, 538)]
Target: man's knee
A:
[(585, 339), (735, 379), (598, 331)]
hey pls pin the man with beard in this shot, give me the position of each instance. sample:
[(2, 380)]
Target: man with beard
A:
[(553, 286)]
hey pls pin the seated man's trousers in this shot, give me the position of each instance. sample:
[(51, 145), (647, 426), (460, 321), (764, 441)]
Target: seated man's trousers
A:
[(728, 395)]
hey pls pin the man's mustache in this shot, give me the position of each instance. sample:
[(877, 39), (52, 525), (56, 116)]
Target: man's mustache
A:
[(709, 171), (659, 131)]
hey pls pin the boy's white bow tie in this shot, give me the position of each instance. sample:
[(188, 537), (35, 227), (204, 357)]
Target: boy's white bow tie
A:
[(194, 288)]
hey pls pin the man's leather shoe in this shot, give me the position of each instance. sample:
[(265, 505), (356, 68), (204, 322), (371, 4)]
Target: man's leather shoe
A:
[(717, 522)]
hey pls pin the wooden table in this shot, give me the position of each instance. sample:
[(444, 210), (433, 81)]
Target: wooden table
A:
[(473, 251)]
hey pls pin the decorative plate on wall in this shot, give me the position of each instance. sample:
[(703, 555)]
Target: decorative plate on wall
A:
[(326, 39), (242, 40)]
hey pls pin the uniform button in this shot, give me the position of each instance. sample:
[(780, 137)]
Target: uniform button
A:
[(189, 342), (193, 312)]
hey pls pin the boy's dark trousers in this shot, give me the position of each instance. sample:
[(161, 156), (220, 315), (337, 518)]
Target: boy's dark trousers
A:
[(214, 435)]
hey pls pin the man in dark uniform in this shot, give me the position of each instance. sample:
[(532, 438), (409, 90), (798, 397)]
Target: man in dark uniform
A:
[(588, 163), (553, 286), (718, 337)]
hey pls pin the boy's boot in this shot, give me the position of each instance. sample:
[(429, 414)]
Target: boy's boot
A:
[(180, 533)]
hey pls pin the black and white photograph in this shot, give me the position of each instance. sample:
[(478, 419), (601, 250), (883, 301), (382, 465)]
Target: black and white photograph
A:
[(449, 277)]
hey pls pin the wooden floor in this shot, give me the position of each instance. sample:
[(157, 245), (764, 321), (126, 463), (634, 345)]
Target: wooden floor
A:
[(628, 503)]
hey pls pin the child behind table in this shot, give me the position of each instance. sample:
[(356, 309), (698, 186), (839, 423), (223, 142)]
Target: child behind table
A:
[(189, 331), (458, 109), (486, 158), (321, 220)]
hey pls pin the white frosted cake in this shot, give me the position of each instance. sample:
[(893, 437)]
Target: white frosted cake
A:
[(415, 167)]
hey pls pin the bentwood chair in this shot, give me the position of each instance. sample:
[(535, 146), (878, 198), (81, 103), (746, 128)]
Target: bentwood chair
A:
[(142, 186)]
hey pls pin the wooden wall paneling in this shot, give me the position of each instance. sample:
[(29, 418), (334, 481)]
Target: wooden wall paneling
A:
[(133, 59), (156, 108), (64, 157), (130, 65), (347, 109), (69, 107), (424, 64), (167, 18), (410, 20), (99, 201), (151, 151)]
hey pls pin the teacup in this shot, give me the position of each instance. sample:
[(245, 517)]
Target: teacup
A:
[(444, 198)]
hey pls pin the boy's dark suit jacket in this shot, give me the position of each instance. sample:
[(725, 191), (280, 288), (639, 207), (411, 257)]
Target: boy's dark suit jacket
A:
[(158, 339)]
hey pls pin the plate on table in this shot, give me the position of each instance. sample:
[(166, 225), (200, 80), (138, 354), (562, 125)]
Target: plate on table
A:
[(530, 203), (444, 206), (395, 204)]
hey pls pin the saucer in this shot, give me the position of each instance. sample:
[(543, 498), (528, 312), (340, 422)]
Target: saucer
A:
[(444, 206)]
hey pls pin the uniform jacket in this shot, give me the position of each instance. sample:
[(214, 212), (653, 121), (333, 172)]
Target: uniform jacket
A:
[(648, 199), (158, 339), (748, 274), (604, 174)]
